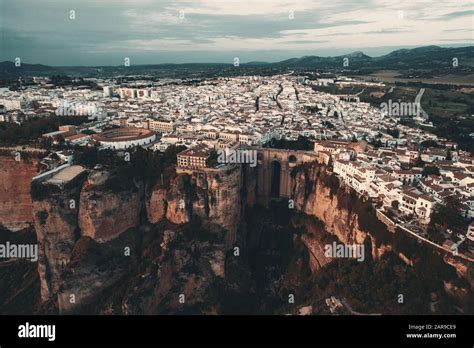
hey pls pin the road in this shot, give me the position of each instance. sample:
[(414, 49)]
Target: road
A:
[(418, 102), (359, 93)]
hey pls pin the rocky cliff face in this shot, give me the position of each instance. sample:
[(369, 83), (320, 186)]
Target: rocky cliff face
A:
[(56, 229), (463, 268), (72, 222), (213, 196), (178, 200), (114, 247), (339, 211), (66, 218), (184, 277), (104, 214), (317, 194), (96, 269), (156, 205), (16, 211), (19, 281)]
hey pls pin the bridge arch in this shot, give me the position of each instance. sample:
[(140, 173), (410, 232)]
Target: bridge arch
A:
[(275, 179), (292, 160), (274, 169)]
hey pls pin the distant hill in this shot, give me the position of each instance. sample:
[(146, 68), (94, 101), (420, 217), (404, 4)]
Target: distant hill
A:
[(9, 67), (428, 57)]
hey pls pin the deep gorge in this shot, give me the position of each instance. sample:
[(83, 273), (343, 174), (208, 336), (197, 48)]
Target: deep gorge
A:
[(203, 244)]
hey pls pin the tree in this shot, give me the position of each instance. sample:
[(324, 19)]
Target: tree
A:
[(429, 143), (212, 159), (88, 132), (430, 170), (449, 157), (59, 140), (328, 124), (394, 132), (446, 215), (46, 143)]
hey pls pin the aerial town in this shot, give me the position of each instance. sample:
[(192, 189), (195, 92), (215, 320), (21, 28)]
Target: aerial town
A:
[(366, 146), (166, 163)]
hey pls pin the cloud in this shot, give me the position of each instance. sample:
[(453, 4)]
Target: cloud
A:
[(457, 14), (43, 31), (387, 31)]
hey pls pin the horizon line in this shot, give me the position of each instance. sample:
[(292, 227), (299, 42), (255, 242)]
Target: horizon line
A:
[(460, 45)]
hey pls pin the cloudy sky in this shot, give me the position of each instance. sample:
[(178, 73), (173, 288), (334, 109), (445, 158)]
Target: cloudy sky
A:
[(104, 32)]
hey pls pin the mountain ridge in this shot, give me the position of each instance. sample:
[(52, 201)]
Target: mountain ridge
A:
[(413, 58)]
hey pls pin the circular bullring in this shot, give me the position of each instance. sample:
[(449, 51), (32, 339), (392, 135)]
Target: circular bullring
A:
[(124, 138)]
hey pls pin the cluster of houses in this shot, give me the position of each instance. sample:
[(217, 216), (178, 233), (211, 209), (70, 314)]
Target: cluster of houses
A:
[(369, 149), (399, 180), (249, 110)]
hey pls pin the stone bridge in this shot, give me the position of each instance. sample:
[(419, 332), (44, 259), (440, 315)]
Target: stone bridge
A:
[(274, 168)]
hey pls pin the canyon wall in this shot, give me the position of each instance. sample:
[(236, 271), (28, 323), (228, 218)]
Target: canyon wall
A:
[(57, 231), (71, 221), (102, 208), (344, 214), (212, 195), (319, 194), (102, 232), (104, 213), (16, 211)]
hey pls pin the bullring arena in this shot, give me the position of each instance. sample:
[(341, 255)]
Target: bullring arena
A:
[(125, 138)]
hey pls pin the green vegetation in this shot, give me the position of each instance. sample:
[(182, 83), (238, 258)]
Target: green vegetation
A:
[(430, 170), (149, 166), (393, 132), (328, 125), (212, 159), (302, 143), (451, 112), (374, 286), (88, 132), (456, 128), (41, 191), (32, 129), (447, 215), (42, 216), (312, 109), (331, 181), (428, 143), (63, 80)]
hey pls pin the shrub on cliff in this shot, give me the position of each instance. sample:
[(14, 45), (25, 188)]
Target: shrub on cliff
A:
[(369, 222), (304, 167), (332, 182), (40, 191), (346, 200), (153, 166), (374, 286), (405, 244), (42, 216)]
